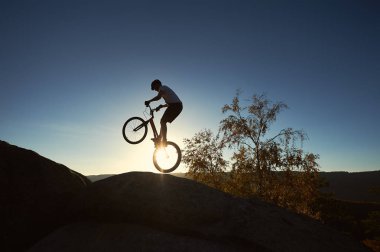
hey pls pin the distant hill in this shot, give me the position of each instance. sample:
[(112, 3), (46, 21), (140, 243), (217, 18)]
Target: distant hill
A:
[(94, 178), (358, 186)]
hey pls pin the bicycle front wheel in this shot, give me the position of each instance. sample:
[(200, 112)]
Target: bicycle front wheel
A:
[(167, 159), (135, 130)]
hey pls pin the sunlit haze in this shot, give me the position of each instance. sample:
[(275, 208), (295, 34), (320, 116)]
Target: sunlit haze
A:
[(72, 72)]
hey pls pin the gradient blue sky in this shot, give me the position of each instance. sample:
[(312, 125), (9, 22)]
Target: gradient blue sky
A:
[(71, 73)]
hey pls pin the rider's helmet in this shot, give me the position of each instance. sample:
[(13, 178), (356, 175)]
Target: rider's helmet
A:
[(155, 84)]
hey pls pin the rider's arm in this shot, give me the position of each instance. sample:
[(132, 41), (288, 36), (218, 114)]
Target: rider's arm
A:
[(156, 98), (161, 106)]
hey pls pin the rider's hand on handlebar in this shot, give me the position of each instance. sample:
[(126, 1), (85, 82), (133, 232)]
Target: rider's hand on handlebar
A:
[(146, 103)]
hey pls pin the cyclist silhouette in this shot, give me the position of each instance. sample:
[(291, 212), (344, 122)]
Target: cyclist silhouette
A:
[(173, 104)]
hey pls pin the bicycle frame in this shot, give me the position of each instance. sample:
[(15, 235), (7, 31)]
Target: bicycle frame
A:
[(151, 122), (166, 158)]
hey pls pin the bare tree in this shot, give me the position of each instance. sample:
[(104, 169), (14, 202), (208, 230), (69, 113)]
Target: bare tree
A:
[(269, 165)]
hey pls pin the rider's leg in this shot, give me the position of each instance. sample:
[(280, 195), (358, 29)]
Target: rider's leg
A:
[(170, 114), (163, 131)]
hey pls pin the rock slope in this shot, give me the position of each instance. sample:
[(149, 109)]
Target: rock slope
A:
[(45, 206), (34, 191), (153, 212)]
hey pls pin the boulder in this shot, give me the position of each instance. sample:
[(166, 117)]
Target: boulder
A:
[(34, 192), (177, 207), (45, 206), (100, 236)]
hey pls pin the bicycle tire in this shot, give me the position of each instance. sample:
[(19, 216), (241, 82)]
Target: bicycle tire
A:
[(130, 134), (174, 162)]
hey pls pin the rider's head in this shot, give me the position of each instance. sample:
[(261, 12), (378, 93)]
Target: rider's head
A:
[(156, 84)]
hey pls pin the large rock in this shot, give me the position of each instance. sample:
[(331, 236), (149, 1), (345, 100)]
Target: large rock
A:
[(34, 192), (162, 210), (98, 236)]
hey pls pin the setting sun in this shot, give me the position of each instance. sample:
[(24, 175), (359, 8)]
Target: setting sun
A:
[(167, 158), (192, 114), (66, 92)]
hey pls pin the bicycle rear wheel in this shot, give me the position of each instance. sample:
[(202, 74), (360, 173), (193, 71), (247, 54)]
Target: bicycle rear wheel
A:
[(135, 130), (167, 159)]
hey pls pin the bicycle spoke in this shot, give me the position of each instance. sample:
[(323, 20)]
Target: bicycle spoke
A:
[(134, 130)]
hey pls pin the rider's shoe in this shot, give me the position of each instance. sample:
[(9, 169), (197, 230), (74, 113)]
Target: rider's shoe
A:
[(156, 141), (164, 143), (159, 143)]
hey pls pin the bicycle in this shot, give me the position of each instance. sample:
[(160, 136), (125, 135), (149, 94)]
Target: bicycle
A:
[(165, 158)]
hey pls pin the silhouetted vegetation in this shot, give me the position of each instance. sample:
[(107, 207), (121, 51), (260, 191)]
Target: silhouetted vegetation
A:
[(360, 220), (270, 166), (273, 166)]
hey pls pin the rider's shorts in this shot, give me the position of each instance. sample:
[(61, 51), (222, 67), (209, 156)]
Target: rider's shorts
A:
[(171, 113)]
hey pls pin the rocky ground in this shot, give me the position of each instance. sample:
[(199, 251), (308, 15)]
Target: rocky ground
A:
[(140, 211)]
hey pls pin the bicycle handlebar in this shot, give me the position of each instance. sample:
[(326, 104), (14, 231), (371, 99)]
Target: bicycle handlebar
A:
[(153, 110)]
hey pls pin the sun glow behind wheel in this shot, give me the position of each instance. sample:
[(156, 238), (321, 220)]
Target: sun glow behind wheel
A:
[(166, 157)]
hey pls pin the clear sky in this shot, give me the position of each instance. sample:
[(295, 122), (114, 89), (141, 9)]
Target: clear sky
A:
[(71, 73)]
